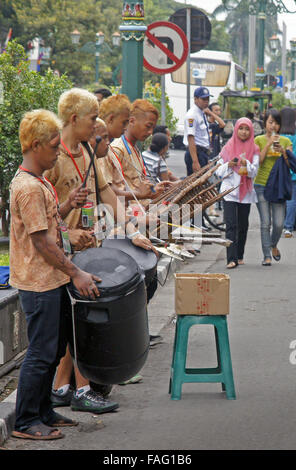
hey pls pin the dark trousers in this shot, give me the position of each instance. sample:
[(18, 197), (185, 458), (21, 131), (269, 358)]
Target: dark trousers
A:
[(236, 217), (46, 327), (202, 156)]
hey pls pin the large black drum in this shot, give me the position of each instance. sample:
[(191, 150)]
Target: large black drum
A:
[(146, 259), (111, 333)]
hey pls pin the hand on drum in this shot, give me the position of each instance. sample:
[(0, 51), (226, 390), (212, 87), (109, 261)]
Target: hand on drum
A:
[(84, 283), (144, 243)]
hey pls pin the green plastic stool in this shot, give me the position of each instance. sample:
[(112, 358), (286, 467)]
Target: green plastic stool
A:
[(223, 373)]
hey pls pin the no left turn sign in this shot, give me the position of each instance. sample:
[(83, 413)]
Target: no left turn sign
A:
[(165, 47)]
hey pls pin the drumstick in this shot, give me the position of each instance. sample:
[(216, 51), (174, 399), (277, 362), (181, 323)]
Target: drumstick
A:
[(98, 140)]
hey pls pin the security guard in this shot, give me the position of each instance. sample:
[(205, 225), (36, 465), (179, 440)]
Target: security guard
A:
[(196, 132)]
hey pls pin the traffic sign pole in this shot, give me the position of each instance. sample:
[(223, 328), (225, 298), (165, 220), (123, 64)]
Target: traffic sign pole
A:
[(188, 34), (165, 50)]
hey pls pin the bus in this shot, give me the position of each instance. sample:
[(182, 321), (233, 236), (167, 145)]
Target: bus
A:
[(215, 70)]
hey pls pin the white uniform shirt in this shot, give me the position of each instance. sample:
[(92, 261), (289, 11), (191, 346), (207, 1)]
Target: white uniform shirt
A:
[(232, 180), (196, 124)]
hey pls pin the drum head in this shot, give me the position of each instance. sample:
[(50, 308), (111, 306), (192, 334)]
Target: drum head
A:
[(119, 271), (146, 259)]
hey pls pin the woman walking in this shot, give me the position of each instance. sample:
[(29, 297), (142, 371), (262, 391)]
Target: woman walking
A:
[(272, 214), (239, 164), (288, 129)]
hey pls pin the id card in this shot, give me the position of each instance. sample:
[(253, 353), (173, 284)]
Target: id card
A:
[(65, 239)]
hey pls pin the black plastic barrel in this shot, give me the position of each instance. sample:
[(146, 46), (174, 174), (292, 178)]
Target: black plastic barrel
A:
[(112, 336)]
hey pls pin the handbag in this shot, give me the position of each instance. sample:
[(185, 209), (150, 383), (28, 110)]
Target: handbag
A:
[(4, 277), (278, 188)]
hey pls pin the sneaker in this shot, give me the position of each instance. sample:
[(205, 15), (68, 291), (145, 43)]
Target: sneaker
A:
[(102, 389), (155, 339), (288, 233), (93, 402), (61, 400)]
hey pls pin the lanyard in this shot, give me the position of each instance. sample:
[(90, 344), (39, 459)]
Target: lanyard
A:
[(118, 160), (206, 123), (140, 159), (73, 160), (54, 194)]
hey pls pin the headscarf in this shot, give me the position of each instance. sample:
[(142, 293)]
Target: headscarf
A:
[(235, 147)]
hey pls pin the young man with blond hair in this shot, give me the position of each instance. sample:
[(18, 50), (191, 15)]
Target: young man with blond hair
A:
[(125, 169), (78, 110), (40, 269)]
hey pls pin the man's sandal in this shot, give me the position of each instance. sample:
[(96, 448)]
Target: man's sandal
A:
[(39, 432), (60, 421)]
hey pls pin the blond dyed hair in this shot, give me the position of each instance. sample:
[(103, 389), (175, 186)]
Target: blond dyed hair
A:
[(142, 106), (40, 125), (76, 101), (116, 104)]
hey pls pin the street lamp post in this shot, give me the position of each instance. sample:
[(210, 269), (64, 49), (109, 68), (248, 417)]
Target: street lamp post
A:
[(95, 48), (293, 61), (132, 32), (99, 42)]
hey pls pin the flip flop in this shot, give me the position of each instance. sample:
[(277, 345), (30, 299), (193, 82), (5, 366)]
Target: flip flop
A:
[(278, 256), (266, 263), (134, 380), (46, 433), (61, 421)]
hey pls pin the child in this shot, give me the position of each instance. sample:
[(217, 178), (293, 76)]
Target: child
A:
[(239, 164)]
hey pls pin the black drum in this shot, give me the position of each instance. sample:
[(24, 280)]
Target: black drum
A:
[(146, 259), (111, 333)]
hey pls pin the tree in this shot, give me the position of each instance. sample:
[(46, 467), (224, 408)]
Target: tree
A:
[(220, 39), (237, 25), (23, 90)]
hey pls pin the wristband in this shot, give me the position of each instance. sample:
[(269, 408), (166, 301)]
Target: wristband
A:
[(132, 235)]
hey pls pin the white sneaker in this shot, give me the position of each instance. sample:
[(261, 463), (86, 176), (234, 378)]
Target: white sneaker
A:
[(288, 233)]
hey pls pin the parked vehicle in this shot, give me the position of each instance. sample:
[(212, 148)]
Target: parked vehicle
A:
[(214, 69)]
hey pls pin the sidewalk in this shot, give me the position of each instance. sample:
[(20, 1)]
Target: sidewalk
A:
[(160, 313)]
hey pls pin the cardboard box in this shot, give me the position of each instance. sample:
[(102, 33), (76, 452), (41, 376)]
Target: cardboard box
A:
[(201, 294)]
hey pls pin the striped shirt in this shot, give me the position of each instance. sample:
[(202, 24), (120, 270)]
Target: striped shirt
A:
[(155, 165)]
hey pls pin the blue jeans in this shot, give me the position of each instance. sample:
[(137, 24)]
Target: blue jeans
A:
[(291, 210), (272, 215), (46, 328)]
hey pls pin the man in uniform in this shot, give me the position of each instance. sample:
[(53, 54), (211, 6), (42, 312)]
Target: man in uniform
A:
[(196, 132)]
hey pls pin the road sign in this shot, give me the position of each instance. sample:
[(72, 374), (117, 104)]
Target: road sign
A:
[(201, 27), (165, 47)]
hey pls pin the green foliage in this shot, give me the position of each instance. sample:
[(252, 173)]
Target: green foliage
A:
[(4, 259), (279, 100), (54, 20), (220, 39), (23, 90)]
